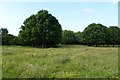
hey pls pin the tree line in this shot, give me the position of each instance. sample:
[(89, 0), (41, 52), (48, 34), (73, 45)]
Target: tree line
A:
[(44, 30)]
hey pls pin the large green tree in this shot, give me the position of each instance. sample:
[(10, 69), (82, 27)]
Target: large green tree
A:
[(41, 29), (95, 34)]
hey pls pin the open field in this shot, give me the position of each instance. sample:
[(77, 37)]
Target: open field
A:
[(65, 62)]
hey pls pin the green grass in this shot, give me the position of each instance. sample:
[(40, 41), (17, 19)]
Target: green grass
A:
[(65, 62)]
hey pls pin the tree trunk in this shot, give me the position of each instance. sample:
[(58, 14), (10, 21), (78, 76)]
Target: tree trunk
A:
[(113, 45), (96, 45), (42, 45)]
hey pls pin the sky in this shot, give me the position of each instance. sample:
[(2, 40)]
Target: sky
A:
[(75, 16)]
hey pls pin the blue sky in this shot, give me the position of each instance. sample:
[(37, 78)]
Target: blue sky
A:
[(73, 16)]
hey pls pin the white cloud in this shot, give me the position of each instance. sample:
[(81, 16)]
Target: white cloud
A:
[(88, 11)]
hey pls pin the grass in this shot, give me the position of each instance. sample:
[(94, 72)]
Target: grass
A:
[(65, 62)]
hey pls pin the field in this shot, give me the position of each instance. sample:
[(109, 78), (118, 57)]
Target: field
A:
[(75, 61)]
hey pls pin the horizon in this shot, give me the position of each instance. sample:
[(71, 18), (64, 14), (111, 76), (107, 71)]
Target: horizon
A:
[(74, 16)]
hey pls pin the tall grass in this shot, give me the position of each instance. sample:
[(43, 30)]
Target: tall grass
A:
[(74, 61)]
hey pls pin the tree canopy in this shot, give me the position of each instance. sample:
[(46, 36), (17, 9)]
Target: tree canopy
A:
[(95, 34), (41, 29), (8, 39), (113, 35), (68, 37), (44, 30), (3, 31)]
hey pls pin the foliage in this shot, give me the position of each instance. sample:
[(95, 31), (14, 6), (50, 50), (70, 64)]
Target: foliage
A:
[(3, 31), (68, 37), (95, 34), (79, 37), (41, 29), (8, 39), (114, 35), (44, 30), (15, 41)]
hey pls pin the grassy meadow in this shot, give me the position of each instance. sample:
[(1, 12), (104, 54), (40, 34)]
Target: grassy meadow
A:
[(73, 61)]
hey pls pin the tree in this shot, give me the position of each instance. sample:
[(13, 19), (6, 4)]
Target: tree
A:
[(114, 35), (68, 37), (15, 40), (94, 34), (3, 31), (3, 34), (7, 39), (41, 29), (78, 36)]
